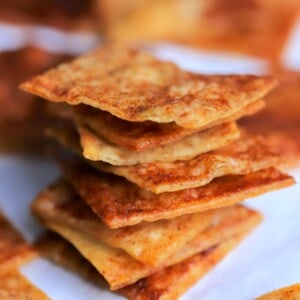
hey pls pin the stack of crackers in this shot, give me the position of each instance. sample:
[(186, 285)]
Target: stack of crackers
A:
[(151, 201)]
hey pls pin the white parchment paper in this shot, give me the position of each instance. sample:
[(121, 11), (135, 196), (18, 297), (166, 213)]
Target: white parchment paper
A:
[(268, 259)]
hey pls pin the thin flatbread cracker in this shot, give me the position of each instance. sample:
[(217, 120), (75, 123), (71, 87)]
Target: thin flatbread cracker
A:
[(119, 203), (14, 286), (241, 157), (119, 269), (14, 251), (279, 122), (287, 293), (135, 86), (150, 243), (172, 282), (141, 136), (97, 149)]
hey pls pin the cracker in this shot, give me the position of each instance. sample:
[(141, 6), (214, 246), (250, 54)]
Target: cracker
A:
[(137, 87), (119, 269), (279, 122), (97, 149), (244, 156), (67, 15), (241, 157), (150, 243), (13, 285), (287, 293), (14, 250), (172, 282), (257, 28), (141, 136), (119, 203), (22, 116)]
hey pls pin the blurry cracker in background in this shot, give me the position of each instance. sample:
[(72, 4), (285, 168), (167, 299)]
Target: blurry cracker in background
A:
[(23, 117), (287, 293), (14, 286), (14, 250), (254, 27), (279, 122), (69, 15)]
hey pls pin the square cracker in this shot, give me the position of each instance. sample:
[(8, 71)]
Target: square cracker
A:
[(14, 250), (120, 203), (141, 136), (150, 243), (96, 148), (287, 293), (13, 285), (172, 282), (135, 86), (242, 157), (119, 269), (279, 122)]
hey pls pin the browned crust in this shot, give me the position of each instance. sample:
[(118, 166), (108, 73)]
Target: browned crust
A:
[(119, 203), (135, 86), (150, 243), (239, 221), (140, 136), (172, 282), (241, 157)]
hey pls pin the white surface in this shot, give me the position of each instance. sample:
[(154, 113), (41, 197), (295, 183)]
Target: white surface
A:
[(268, 259)]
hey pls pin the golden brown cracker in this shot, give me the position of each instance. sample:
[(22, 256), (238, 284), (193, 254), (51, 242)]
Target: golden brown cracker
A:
[(98, 149), (137, 87), (244, 156), (287, 293), (119, 203), (150, 243), (14, 250), (119, 269), (172, 282), (14, 286), (141, 136)]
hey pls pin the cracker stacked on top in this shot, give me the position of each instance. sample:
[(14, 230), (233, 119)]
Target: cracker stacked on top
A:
[(152, 203)]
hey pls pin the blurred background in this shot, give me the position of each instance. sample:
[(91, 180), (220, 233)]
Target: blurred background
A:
[(210, 36)]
